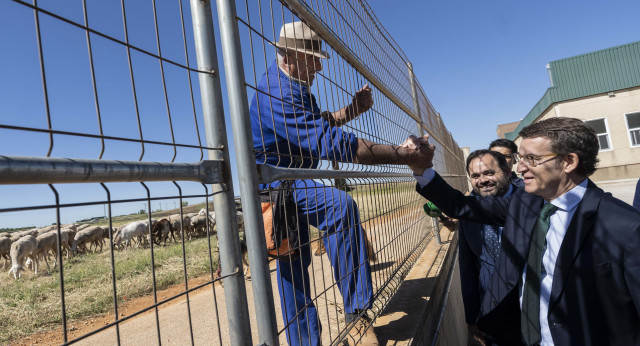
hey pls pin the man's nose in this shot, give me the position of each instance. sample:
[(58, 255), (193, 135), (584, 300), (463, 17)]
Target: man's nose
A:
[(521, 166)]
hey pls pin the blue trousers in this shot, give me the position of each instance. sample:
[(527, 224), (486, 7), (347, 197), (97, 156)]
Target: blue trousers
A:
[(335, 213)]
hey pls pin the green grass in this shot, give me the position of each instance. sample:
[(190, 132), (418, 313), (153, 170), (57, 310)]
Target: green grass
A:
[(32, 304)]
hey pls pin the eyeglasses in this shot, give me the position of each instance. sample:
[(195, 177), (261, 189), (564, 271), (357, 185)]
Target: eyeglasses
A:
[(533, 160)]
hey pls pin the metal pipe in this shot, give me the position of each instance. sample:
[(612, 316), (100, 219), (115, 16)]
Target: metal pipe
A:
[(436, 230), (414, 95), (224, 204), (304, 13), (268, 174), (47, 170), (247, 173)]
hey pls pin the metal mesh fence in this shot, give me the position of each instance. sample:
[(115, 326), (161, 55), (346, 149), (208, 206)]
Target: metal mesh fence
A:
[(98, 82), (367, 219), (129, 93)]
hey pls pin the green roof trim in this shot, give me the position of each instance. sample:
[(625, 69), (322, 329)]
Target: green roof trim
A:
[(598, 72)]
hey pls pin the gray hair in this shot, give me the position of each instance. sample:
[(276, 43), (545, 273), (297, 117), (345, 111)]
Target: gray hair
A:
[(280, 53)]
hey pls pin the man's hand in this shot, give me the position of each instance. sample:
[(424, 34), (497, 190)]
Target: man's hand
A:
[(411, 143), (476, 336), (362, 100), (423, 156)]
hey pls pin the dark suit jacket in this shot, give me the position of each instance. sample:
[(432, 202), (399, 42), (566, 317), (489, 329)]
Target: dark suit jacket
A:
[(595, 295), (470, 248)]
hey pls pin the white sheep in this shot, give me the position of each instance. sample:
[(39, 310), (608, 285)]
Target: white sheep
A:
[(90, 235), (22, 249), (131, 231), (81, 227), (46, 244), (67, 235), (5, 250)]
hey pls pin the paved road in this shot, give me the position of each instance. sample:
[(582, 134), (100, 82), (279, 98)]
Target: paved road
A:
[(621, 189)]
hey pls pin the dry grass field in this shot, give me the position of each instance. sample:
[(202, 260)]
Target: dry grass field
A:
[(32, 304)]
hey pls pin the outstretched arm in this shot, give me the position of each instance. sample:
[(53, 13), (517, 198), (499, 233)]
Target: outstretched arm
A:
[(371, 153), (362, 102)]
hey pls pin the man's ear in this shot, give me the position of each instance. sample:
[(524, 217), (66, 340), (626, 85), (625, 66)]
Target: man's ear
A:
[(571, 162)]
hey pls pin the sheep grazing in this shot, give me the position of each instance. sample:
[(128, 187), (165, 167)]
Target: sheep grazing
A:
[(105, 233), (5, 250), (199, 223), (90, 235), (81, 227), (177, 225), (22, 249), (134, 230), (160, 231), (46, 244)]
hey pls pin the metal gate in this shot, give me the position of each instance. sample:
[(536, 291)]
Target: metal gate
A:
[(113, 117)]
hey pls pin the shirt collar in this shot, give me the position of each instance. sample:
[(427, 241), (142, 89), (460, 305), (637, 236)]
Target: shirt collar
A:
[(510, 191), (289, 76), (571, 198)]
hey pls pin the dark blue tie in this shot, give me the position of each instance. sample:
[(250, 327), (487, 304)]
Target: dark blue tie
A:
[(492, 241), (530, 316)]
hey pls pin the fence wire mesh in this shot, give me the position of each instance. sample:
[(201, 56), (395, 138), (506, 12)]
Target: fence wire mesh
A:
[(304, 115), (137, 261), (106, 81)]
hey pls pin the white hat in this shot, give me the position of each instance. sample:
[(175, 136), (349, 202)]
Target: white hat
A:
[(299, 37)]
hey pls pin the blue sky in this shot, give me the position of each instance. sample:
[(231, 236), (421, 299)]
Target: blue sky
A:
[(480, 63)]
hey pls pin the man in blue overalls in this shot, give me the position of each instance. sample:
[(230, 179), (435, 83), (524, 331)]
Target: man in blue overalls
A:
[(289, 130)]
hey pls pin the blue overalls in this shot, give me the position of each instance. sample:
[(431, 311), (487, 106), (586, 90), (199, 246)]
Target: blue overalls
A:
[(288, 131)]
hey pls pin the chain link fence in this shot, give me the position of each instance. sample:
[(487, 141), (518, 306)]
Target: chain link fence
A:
[(116, 167)]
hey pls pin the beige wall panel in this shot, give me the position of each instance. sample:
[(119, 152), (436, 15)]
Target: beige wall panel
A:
[(622, 161)]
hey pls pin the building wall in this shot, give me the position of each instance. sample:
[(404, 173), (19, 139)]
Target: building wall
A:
[(621, 161)]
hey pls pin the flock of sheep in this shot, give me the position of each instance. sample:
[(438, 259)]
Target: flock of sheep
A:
[(27, 248)]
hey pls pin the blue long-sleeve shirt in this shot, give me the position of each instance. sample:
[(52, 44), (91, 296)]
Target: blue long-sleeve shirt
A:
[(287, 126)]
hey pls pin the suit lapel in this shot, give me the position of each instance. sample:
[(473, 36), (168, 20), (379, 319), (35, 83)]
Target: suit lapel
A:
[(580, 227), (516, 237), (473, 233), (528, 220)]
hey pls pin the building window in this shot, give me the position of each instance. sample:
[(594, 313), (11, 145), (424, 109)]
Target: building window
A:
[(600, 126), (633, 124)]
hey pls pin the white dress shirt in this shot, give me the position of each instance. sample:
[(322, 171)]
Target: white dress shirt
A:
[(559, 223)]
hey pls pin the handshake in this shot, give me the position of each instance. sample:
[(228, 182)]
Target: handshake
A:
[(420, 156)]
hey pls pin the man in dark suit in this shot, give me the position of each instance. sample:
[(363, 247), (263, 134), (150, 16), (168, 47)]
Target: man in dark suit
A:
[(569, 273), (479, 244), (509, 150)]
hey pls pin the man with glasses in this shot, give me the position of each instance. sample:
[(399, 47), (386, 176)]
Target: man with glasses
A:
[(569, 273), (509, 150)]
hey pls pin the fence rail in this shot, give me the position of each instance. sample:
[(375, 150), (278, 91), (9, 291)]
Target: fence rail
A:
[(105, 106)]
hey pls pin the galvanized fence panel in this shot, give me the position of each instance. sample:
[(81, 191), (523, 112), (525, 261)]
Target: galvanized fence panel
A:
[(103, 121), (112, 114), (281, 124)]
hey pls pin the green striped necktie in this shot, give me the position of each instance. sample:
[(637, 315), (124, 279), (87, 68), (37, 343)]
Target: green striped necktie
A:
[(530, 316)]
